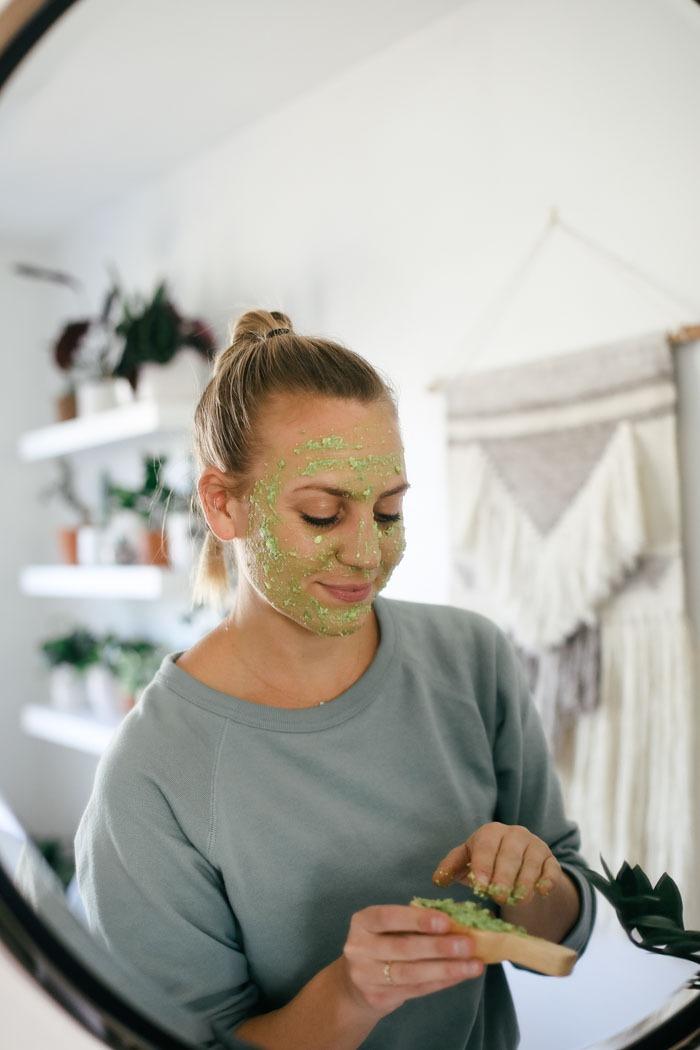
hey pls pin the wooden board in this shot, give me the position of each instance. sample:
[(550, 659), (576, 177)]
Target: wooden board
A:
[(534, 952)]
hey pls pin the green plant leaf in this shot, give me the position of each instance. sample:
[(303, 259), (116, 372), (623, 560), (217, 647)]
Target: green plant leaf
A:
[(670, 897), (642, 883), (657, 916), (607, 869), (625, 880)]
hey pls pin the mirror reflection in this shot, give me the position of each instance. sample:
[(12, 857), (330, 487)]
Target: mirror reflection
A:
[(60, 909), (322, 297)]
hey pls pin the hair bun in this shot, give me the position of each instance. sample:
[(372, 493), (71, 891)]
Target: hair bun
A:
[(259, 325)]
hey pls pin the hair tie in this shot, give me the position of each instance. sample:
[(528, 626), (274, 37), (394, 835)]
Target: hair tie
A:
[(277, 331)]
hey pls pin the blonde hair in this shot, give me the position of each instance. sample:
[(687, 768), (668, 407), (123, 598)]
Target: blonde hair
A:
[(265, 357)]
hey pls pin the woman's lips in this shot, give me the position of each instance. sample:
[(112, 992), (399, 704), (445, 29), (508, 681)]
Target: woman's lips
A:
[(350, 594)]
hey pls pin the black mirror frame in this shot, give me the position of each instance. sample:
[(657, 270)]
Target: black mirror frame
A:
[(675, 1026), (22, 24), (65, 977)]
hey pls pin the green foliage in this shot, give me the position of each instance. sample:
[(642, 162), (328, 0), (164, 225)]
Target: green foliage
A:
[(149, 330), (59, 856), (132, 661), (152, 500), (655, 913), (154, 331), (80, 648)]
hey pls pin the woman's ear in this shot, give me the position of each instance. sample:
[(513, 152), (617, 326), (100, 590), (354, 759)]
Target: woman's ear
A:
[(224, 513)]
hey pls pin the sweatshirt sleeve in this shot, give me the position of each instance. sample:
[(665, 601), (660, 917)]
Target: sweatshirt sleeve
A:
[(154, 900), (529, 791)]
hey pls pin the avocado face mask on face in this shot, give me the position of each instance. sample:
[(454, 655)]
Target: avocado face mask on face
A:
[(287, 558)]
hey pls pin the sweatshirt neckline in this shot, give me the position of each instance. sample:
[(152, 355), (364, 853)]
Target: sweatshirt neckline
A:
[(349, 703)]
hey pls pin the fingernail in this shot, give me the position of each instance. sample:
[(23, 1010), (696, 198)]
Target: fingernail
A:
[(440, 924), (441, 877)]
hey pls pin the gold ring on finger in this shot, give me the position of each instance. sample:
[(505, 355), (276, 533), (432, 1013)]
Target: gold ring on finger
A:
[(387, 973)]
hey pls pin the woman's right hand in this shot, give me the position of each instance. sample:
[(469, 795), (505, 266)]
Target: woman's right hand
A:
[(423, 960)]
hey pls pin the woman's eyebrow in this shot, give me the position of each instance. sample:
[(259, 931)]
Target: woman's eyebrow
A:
[(346, 494)]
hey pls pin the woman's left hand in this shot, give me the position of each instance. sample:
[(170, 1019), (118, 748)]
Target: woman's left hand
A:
[(503, 861)]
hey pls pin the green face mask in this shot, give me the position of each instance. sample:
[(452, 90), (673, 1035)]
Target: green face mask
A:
[(286, 558)]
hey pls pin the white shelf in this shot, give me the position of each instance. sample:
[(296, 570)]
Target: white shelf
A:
[(80, 731), (138, 582), (138, 419)]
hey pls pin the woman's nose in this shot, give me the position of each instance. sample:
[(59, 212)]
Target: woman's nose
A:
[(360, 546)]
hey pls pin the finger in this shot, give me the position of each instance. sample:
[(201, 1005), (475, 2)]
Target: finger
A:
[(400, 918), (450, 866), (551, 873), (531, 870), (434, 971), (509, 859), (482, 850), (411, 947)]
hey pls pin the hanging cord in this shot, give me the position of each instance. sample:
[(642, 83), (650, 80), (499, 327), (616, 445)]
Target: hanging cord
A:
[(486, 323), (629, 267)]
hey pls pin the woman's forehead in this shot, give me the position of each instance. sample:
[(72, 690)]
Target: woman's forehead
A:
[(314, 427)]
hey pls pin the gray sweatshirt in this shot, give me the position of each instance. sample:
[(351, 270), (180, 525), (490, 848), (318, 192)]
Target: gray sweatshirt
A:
[(226, 844)]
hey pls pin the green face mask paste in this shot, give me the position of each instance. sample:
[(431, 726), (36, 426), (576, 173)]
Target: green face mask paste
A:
[(287, 558), (470, 914)]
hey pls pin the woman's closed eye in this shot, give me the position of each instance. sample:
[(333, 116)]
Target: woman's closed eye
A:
[(382, 519)]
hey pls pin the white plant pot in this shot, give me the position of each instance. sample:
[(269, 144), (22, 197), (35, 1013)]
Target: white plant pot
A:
[(99, 395), (67, 688), (182, 379), (88, 545), (104, 693), (122, 539), (180, 540)]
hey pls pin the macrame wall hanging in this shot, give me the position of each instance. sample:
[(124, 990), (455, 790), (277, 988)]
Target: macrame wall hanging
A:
[(566, 531)]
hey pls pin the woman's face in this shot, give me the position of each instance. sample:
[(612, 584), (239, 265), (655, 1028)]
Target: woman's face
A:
[(300, 537)]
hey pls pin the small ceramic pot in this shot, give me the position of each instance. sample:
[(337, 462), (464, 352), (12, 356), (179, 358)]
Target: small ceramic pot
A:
[(99, 395), (68, 546), (121, 541), (182, 379), (104, 693), (66, 688), (154, 548), (88, 545), (180, 539), (66, 406)]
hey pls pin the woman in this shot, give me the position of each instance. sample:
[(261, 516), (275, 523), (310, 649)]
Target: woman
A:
[(286, 786)]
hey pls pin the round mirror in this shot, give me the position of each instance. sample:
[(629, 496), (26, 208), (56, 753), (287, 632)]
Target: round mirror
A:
[(449, 188)]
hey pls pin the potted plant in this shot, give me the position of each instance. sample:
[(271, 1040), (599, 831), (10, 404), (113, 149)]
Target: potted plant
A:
[(182, 529), (123, 533), (89, 351), (77, 537), (133, 662), (154, 498), (135, 532), (166, 356), (68, 657), (105, 694)]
